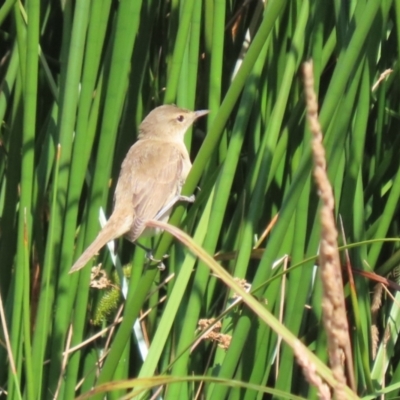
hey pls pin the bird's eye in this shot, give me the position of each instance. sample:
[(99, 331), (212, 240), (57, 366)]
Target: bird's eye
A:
[(180, 118)]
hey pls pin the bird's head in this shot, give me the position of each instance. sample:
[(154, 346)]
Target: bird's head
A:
[(168, 121)]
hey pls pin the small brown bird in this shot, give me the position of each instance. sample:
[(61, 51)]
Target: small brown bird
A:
[(151, 177)]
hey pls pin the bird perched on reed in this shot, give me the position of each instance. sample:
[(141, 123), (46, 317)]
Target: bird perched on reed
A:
[(151, 177)]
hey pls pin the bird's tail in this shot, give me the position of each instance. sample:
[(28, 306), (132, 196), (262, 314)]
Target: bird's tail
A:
[(110, 231)]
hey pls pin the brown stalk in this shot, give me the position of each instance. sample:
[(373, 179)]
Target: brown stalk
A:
[(333, 302)]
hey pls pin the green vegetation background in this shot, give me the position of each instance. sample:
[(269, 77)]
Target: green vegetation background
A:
[(76, 80)]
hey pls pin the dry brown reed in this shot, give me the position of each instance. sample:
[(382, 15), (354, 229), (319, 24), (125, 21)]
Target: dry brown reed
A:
[(333, 303)]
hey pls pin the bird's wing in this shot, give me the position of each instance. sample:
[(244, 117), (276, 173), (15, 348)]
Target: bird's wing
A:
[(154, 176)]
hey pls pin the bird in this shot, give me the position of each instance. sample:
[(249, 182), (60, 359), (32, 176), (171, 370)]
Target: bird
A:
[(151, 178)]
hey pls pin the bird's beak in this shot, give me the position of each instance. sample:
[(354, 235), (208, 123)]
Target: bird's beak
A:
[(200, 113)]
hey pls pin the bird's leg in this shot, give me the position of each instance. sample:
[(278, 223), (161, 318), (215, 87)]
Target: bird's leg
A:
[(189, 199), (150, 257), (160, 214)]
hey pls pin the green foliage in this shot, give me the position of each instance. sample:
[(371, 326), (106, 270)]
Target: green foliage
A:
[(76, 80)]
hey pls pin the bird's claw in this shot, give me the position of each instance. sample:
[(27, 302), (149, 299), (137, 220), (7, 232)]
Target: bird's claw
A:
[(160, 264), (189, 199)]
